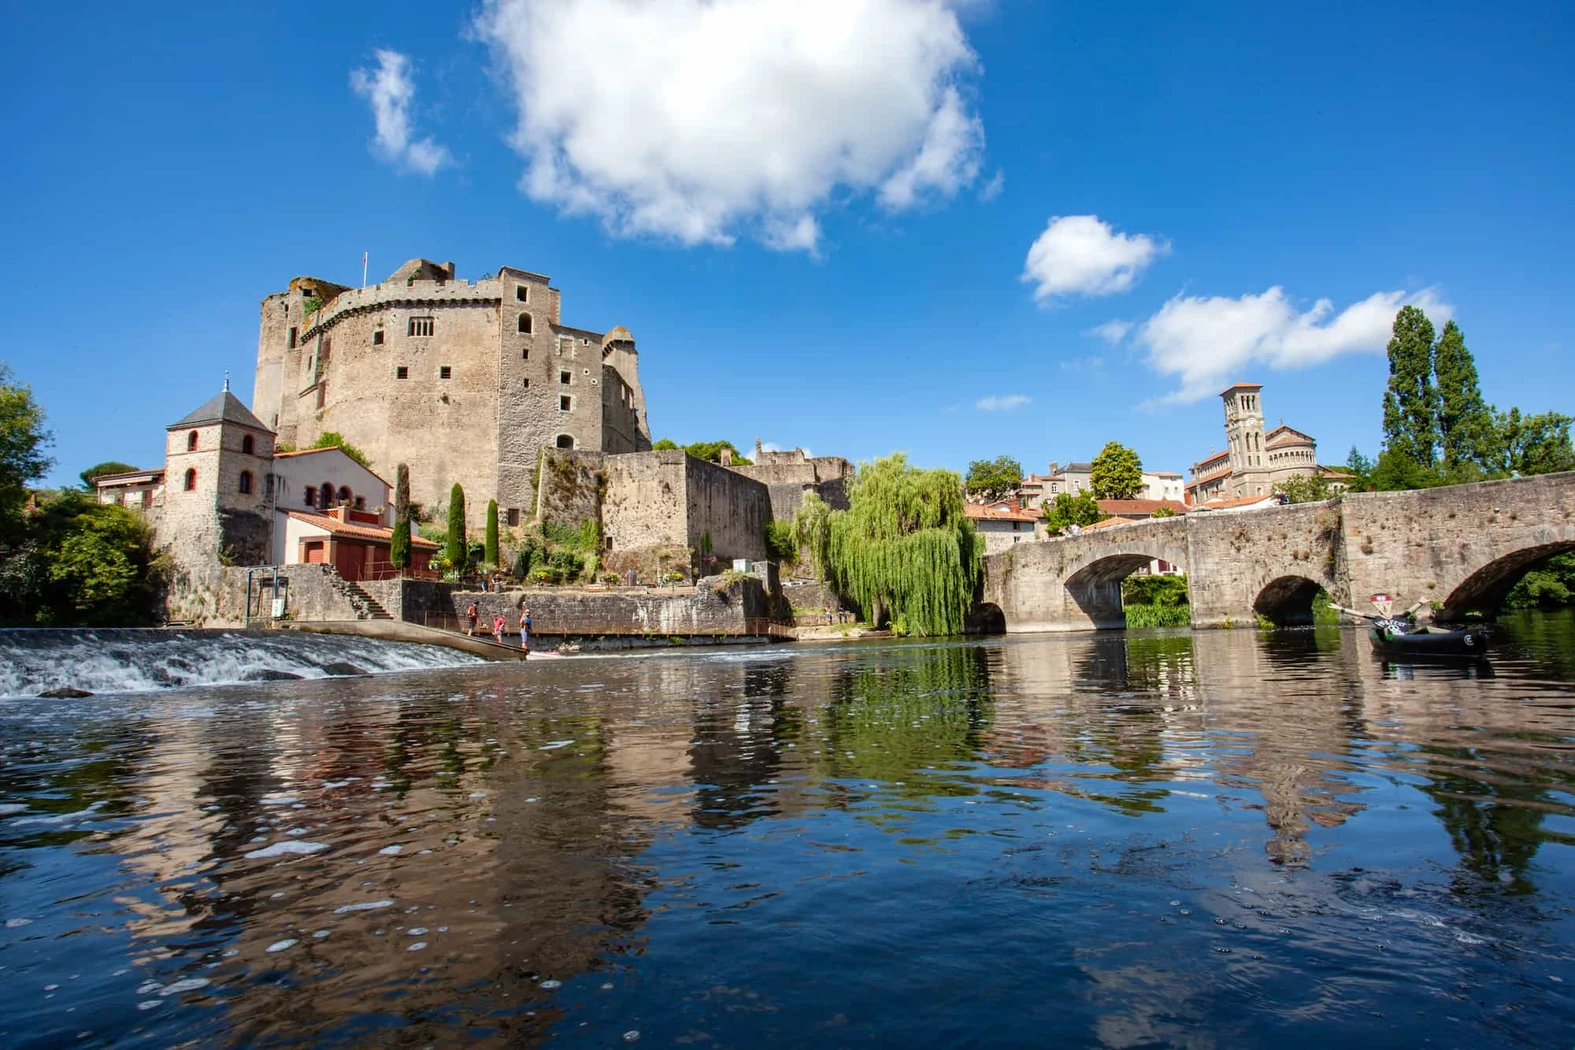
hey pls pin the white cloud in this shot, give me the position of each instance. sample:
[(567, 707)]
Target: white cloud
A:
[(1080, 255), (389, 89), (1078, 365), (1111, 332), (697, 120), (1209, 342), (1003, 403)]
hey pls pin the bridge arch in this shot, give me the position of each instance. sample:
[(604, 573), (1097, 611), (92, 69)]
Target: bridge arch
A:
[(1096, 587), (1287, 601), (1485, 589)]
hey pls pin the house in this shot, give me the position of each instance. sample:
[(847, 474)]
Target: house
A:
[(1003, 524), (133, 489), (353, 541), (1040, 489)]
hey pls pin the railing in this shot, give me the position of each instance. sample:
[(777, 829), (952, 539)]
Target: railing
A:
[(557, 627)]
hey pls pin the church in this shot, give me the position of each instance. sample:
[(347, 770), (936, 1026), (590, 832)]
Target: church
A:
[(1253, 462)]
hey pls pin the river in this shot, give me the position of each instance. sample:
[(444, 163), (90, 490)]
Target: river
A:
[(1215, 839)]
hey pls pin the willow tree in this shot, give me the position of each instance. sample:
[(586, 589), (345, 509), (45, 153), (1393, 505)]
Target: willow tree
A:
[(904, 550)]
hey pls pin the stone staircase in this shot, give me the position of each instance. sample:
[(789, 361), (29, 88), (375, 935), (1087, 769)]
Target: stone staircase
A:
[(366, 607)]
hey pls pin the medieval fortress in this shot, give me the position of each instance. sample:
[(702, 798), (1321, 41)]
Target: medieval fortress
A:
[(465, 381)]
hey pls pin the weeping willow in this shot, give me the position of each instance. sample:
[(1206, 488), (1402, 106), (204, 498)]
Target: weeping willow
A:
[(904, 550)]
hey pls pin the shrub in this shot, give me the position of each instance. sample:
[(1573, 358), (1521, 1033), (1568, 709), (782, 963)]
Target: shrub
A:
[(781, 541)]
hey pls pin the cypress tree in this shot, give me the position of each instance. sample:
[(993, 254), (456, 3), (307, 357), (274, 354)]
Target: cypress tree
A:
[(1411, 401), (458, 551), (399, 545), (491, 555), (1465, 424)]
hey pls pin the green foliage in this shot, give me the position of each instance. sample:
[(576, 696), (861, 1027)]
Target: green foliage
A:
[(904, 547), (1163, 512), (334, 439), (81, 563), (1361, 469), (99, 470), (1411, 403), (1467, 432), (1145, 589), (311, 304), (1397, 471), (1549, 587), (1538, 444), (994, 478), (490, 551), (399, 545), (710, 451), (1068, 510), (1306, 488), (1324, 613), (1117, 473), (664, 445), (1140, 616), (781, 541), (456, 553), (22, 443)]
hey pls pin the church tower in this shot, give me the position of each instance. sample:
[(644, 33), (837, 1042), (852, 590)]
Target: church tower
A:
[(1244, 434)]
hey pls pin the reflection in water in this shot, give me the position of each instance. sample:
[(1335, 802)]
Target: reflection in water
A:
[(1210, 839)]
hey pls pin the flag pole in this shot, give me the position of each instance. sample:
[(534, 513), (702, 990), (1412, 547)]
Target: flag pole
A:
[(363, 269)]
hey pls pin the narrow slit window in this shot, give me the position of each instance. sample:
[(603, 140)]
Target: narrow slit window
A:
[(565, 403), (377, 337), (527, 382), (246, 483), (565, 378), (191, 480)]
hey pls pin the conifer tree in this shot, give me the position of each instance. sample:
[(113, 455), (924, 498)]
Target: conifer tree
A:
[(1411, 401), (1465, 424), (491, 555), (458, 551), (399, 544)]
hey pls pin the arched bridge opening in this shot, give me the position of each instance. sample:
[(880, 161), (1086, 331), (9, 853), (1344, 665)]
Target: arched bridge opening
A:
[(1287, 601), (1484, 591), (1098, 590)]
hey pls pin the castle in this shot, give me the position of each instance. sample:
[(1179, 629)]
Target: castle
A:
[(465, 381), (1254, 462)]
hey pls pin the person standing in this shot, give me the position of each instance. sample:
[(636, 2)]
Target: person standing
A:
[(472, 614), (525, 630), (497, 628)]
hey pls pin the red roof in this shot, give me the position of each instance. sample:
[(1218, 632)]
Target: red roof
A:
[(990, 512), (376, 534), (1136, 508), (1238, 501)]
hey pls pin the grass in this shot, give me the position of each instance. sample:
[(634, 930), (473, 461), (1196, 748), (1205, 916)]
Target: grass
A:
[(1147, 615)]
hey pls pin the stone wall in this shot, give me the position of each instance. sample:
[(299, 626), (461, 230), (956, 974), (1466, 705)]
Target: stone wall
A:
[(1260, 562), (311, 593), (645, 505), (570, 486), (726, 509), (562, 611)]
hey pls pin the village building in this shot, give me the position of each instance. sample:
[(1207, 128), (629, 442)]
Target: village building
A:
[(464, 381), (1004, 524), (1253, 462), (1038, 489)]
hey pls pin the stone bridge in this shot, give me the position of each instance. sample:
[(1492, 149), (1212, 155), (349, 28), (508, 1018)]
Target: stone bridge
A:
[(1462, 547)]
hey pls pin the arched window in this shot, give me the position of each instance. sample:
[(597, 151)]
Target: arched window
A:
[(248, 446), (246, 481), (344, 494), (525, 323), (565, 441), (191, 441), (191, 476), (326, 495)]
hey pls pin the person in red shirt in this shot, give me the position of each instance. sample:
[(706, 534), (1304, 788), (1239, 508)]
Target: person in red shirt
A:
[(497, 628)]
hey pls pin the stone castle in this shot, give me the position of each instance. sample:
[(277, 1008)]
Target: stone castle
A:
[(465, 381)]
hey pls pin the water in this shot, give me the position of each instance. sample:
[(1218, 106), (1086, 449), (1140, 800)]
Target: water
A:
[(117, 660), (1223, 839)]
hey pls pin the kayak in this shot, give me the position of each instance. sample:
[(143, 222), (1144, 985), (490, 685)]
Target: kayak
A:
[(1469, 642)]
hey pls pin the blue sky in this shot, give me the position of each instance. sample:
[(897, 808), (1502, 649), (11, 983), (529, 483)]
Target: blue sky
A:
[(817, 217)]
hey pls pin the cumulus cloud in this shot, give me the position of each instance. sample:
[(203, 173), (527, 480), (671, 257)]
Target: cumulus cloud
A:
[(1081, 255), (698, 120), (1111, 332), (389, 89), (1002, 403), (1208, 342)]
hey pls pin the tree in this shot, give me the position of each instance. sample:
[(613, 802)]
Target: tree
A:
[(1465, 424), (1117, 473), (1068, 510), (1305, 488), (489, 554), (22, 443), (81, 563), (458, 551), (665, 445), (1163, 512), (98, 470), (1361, 469), (994, 478), (1538, 444), (334, 439), (904, 548), (1411, 405), (399, 545), (710, 451)]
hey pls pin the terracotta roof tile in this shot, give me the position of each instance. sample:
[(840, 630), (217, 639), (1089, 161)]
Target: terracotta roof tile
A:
[(1133, 507), (360, 532)]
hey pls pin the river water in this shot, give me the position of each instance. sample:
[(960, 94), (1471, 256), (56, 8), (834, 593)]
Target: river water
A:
[(1221, 839)]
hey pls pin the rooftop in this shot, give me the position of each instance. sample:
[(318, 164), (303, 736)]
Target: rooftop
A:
[(1128, 508), (376, 533), (223, 407)]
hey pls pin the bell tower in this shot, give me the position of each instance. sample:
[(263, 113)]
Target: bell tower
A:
[(1244, 432)]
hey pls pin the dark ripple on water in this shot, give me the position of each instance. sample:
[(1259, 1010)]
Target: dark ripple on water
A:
[(1220, 839)]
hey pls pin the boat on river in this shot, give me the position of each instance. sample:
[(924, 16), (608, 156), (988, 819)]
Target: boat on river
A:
[(1468, 643)]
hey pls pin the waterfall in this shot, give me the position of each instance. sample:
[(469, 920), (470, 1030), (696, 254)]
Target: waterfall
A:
[(122, 660)]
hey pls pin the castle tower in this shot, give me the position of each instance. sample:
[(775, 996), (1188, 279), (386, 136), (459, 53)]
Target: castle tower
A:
[(218, 491), (1244, 436)]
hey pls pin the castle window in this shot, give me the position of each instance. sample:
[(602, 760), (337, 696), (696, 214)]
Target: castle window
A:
[(248, 445), (525, 323), (245, 486), (401, 372), (445, 372), (527, 382), (565, 403), (191, 480), (310, 498), (191, 441), (514, 517), (565, 378), (525, 356), (419, 326), (291, 344), (564, 440), (522, 293), (377, 337)]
